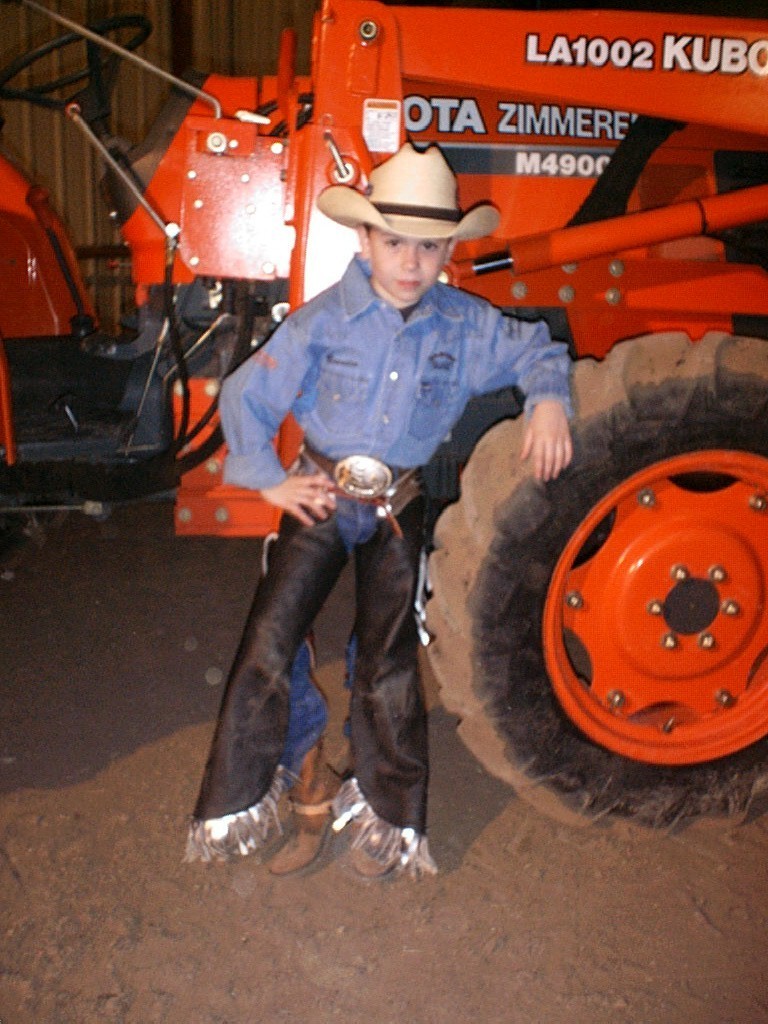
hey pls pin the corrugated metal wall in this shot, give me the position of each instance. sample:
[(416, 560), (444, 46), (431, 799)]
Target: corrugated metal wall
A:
[(239, 37)]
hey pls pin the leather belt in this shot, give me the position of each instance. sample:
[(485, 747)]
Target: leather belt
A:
[(321, 461), (370, 481)]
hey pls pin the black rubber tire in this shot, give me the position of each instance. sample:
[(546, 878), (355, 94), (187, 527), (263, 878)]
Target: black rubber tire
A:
[(650, 399)]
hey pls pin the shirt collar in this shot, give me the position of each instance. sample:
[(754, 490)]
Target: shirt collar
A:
[(356, 291), (357, 295)]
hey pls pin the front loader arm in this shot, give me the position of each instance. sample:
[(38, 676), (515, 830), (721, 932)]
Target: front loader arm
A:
[(647, 227)]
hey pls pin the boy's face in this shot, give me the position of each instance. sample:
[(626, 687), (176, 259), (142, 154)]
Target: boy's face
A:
[(403, 269)]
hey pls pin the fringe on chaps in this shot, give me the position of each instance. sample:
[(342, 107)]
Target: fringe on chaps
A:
[(388, 844), (242, 833)]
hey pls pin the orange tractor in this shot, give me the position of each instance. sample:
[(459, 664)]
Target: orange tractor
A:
[(603, 638)]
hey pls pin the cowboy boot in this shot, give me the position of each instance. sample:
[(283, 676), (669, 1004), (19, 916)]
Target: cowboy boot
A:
[(311, 800)]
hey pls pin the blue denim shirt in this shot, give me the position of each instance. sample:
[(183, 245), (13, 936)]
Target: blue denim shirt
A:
[(362, 380)]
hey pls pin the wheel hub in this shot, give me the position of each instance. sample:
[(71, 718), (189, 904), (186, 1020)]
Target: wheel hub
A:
[(655, 634), (691, 606)]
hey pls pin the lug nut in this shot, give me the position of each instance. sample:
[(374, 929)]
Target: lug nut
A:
[(669, 641), (654, 608), (706, 641), (679, 573), (730, 608), (717, 573)]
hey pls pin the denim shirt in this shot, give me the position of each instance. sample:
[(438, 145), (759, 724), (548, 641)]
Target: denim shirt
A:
[(360, 379)]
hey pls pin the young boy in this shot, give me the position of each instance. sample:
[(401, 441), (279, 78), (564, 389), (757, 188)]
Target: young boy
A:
[(377, 369)]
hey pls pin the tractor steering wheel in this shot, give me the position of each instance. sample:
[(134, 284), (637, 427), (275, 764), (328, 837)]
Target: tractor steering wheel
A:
[(97, 60)]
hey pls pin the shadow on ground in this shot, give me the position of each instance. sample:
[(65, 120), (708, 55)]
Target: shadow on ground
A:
[(117, 633)]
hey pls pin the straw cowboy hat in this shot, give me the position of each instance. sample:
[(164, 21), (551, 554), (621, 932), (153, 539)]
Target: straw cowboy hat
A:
[(412, 194)]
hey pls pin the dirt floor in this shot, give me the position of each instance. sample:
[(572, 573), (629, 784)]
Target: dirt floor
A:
[(115, 640)]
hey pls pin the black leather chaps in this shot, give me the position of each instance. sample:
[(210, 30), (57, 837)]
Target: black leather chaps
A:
[(387, 712)]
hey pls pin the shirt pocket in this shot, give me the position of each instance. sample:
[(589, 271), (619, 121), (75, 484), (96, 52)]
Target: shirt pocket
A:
[(341, 398), (433, 409)]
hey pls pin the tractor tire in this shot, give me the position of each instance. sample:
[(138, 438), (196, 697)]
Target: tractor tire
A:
[(603, 638)]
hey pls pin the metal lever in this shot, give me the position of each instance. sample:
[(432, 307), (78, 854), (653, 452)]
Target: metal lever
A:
[(170, 230), (251, 117), (344, 172)]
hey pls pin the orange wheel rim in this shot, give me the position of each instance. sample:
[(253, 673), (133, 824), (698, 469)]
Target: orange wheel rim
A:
[(655, 626)]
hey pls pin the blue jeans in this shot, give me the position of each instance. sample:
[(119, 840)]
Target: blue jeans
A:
[(308, 714)]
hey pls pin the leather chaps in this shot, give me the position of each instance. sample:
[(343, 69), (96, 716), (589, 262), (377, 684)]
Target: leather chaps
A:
[(387, 713)]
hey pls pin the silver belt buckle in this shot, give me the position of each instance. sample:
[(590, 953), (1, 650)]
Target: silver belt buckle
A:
[(363, 476)]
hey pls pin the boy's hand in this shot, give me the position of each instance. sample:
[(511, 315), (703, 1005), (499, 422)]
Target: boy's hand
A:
[(547, 440), (309, 498)]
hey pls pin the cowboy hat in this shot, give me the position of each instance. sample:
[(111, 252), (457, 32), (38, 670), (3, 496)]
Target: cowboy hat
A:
[(413, 194)]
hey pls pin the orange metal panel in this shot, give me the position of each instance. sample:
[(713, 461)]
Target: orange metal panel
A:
[(224, 512), (232, 202), (205, 505), (609, 299), (685, 67), (36, 299)]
